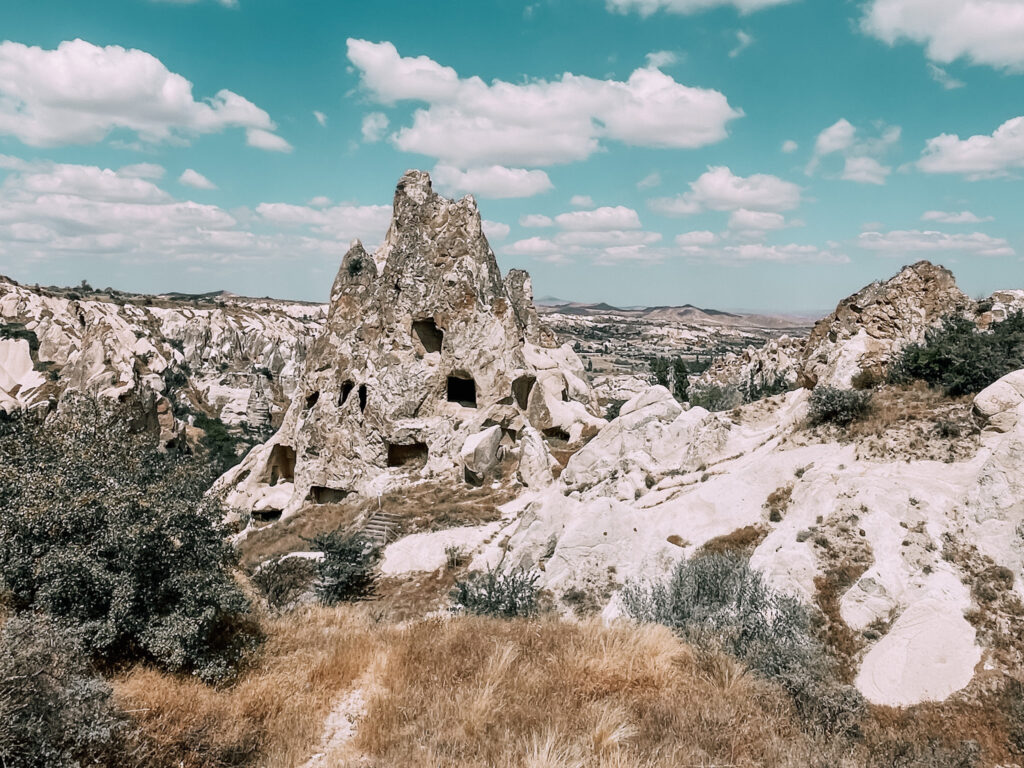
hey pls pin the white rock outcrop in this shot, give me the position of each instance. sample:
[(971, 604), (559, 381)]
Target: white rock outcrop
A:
[(427, 363)]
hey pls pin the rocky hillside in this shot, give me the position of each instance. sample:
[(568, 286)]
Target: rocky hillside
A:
[(223, 356)]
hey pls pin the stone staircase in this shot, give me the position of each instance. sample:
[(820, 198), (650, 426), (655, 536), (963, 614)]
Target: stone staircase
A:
[(381, 527)]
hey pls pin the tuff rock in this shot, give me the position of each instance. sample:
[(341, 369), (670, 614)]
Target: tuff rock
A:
[(425, 347)]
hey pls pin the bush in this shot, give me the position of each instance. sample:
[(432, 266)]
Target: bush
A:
[(716, 398), (54, 713), (718, 601), (106, 534), (347, 569), (505, 595), (612, 410), (961, 360), (671, 373), (223, 448), (841, 407), (282, 582)]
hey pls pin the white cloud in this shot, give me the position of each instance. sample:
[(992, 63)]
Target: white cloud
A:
[(53, 211), (743, 41), (375, 127), (659, 59), (142, 171), (78, 93), (759, 222), (989, 32), (747, 253), (865, 170), (649, 181), (535, 220), (954, 217), (195, 180), (581, 201), (699, 237), (943, 78), (721, 190), (492, 182), (903, 242), (532, 246), (257, 137), (320, 117), (647, 7), (861, 154), (320, 201), (977, 157), (496, 230), (470, 123), (600, 219), (789, 146)]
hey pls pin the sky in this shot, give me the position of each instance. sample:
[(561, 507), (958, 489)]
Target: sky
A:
[(770, 155)]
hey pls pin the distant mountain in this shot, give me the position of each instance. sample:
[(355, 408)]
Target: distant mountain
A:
[(687, 313)]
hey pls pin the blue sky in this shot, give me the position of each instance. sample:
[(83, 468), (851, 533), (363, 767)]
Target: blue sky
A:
[(758, 154)]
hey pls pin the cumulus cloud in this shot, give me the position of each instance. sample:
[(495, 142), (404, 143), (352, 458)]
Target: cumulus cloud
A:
[(721, 190), (53, 211), (861, 163), (495, 230), (196, 180), (257, 137), (943, 78), (375, 127), (699, 237), (954, 217), (755, 223), (697, 246), (534, 220), (743, 41), (902, 242), (79, 92), (647, 7), (977, 157), (320, 117), (989, 32), (607, 235), (865, 170), (470, 123), (581, 201), (789, 146), (659, 59), (494, 182), (649, 181)]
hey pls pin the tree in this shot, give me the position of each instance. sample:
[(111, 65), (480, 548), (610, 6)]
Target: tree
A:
[(108, 535)]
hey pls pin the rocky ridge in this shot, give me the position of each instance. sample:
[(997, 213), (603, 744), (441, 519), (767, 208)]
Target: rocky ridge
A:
[(235, 359), (430, 363)]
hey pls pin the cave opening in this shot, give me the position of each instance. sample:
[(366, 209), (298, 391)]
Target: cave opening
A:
[(346, 389), (362, 397), (282, 464), (407, 454), (322, 494), (521, 389), (429, 335), (462, 390)]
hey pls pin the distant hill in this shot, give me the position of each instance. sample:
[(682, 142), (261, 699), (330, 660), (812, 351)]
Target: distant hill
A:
[(687, 313)]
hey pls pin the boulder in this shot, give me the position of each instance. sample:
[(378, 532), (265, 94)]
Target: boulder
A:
[(480, 452), (536, 464), (996, 406)]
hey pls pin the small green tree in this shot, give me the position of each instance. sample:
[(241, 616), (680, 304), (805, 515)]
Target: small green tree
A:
[(106, 534), (54, 712), (493, 593), (348, 568), (672, 374)]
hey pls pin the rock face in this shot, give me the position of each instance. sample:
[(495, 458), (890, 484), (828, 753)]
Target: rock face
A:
[(859, 341), (867, 329), (424, 347), (237, 359)]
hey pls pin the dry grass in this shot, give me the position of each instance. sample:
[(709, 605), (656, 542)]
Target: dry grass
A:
[(910, 422), (742, 541), (428, 506), (472, 692)]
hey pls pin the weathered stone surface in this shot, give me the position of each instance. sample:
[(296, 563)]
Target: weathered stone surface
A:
[(772, 367), (425, 344), (536, 464), (480, 452), (995, 407), (869, 328)]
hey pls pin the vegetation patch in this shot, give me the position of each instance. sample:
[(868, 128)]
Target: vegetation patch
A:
[(841, 407)]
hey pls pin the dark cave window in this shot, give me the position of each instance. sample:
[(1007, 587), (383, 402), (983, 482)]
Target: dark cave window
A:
[(462, 390), (521, 389), (282, 464), (346, 390), (407, 454), (430, 336)]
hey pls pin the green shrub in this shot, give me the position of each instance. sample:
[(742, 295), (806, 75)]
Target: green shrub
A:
[(105, 533), (347, 570), (491, 593), (224, 448), (54, 713), (282, 582), (960, 359), (612, 410), (829, 405), (672, 374), (752, 391), (718, 601), (716, 398)]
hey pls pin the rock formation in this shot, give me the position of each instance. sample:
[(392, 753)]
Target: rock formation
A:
[(424, 347), (236, 359)]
